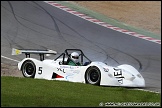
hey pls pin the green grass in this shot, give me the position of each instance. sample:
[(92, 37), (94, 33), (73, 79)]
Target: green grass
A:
[(109, 20), (20, 92)]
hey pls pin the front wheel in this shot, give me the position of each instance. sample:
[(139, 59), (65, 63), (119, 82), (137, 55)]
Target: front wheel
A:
[(93, 76), (28, 69)]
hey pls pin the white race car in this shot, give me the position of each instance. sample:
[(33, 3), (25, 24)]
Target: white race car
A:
[(95, 73)]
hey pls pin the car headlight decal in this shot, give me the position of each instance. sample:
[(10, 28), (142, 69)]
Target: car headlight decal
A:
[(106, 69), (139, 75)]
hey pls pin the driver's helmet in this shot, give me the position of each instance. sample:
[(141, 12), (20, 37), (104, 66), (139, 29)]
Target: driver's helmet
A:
[(75, 57)]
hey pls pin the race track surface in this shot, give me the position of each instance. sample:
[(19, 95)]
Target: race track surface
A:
[(38, 25)]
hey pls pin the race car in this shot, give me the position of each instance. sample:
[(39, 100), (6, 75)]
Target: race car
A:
[(89, 72)]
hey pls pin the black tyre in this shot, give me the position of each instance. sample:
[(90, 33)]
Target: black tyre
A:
[(28, 69), (93, 76)]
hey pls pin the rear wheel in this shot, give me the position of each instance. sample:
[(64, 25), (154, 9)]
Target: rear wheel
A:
[(28, 69), (93, 76)]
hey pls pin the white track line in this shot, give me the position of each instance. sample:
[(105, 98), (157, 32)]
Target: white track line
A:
[(147, 90), (9, 58)]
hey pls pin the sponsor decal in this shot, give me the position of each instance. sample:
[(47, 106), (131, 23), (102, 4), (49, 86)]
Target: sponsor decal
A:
[(76, 71), (118, 75), (65, 66), (61, 70), (70, 67), (69, 75)]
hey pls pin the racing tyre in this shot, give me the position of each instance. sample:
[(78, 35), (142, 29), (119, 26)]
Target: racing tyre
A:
[(93, 76), (28, 69)]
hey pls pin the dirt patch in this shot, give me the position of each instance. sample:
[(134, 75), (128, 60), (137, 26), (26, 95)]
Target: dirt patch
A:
[(10, 70), (140, 14)]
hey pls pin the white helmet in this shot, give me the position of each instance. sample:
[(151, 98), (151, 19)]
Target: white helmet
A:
[(75, 57)]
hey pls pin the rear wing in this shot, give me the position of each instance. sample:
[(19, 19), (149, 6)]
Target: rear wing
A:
[(27, 52)]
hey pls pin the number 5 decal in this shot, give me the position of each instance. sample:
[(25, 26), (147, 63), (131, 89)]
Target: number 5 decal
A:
[(40, 70)]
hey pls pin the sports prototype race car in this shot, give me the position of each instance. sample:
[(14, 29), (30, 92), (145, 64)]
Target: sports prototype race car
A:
[(89, 72)]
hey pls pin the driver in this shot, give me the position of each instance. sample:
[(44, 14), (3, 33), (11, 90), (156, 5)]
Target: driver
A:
[(75, 57)]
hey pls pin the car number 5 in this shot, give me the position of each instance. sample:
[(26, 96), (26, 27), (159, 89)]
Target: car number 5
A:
[(40, 70)]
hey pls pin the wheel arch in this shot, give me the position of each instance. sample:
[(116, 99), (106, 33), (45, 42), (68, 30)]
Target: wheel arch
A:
[(20, 64), (28, 69), (25, 62)]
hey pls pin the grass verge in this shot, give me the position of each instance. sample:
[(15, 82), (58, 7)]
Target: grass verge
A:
[(27, 92)]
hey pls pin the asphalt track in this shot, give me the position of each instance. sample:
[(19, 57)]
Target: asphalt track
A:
[(38, 25)]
